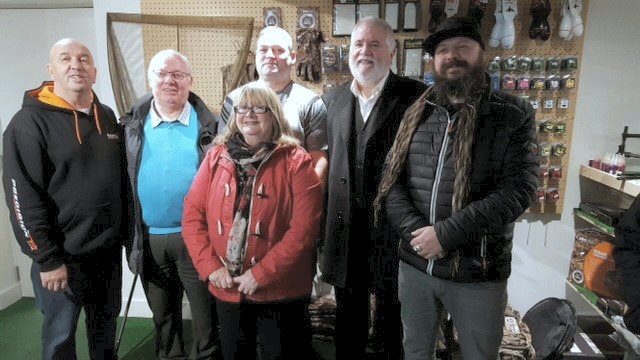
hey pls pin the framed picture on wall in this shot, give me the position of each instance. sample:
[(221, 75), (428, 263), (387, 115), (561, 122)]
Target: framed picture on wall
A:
[(413, 58), (344, 18), (391, 13), (368, 8), (411, 15)]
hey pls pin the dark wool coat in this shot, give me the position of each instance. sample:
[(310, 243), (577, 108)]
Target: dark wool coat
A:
[(397, 95)]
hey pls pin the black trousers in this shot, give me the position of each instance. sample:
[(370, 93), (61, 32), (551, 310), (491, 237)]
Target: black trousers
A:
[(370, 270), (169, 272), (278, 330)]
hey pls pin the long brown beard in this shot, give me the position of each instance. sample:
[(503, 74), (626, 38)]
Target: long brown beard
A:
[(461, 88)]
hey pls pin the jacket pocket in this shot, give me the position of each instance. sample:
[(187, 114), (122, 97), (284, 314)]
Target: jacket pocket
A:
[(91, 228)]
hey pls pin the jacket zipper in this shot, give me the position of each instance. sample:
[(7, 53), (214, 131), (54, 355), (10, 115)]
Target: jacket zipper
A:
[(436, 182)]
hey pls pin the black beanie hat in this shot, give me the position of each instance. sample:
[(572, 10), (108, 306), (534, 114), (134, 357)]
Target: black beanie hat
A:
[(452, 27)]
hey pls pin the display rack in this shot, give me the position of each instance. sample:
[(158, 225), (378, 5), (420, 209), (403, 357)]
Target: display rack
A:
[(207, 85), (599, 186), (629, 187)]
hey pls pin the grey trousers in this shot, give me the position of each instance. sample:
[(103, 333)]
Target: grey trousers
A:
[(477, 311)]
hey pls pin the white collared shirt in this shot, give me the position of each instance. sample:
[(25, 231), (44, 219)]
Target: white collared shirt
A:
[(157, 118), (366, 105)]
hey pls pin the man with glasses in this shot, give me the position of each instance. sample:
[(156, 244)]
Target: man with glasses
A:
[(167, 135)]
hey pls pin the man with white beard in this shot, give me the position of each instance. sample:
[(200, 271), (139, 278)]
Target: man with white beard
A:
[(357, 259)]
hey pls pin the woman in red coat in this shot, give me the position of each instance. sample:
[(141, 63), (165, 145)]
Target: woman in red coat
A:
[(250, 223)]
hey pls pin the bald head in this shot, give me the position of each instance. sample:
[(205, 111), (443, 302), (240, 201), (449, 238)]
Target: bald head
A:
[(63, 44), (72, 70)]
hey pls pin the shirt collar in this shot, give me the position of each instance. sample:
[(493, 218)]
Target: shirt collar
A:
[(157, 118), (376, 92)]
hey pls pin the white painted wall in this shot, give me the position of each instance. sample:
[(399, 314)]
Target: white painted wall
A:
[(608, 98), (607, 89)]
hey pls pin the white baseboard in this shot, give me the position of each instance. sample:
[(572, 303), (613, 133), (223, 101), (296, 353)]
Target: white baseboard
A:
[(10, 295)]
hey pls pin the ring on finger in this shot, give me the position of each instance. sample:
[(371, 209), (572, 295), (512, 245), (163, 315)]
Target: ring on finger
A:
[(417, 248)]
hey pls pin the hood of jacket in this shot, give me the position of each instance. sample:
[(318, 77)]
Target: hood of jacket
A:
[(45, 97)]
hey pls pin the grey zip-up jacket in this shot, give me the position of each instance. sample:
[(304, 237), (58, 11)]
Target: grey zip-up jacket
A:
[(133, 123), (504, 178)]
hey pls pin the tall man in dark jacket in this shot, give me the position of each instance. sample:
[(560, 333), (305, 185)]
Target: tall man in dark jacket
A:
[(627, 256), (167, 135), (463, 167), (362, 118), (63, 178)]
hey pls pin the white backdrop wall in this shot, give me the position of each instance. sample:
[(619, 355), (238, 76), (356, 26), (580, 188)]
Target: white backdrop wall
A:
[(542, 245)]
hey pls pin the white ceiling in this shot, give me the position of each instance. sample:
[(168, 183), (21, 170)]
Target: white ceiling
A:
[(45, 4)]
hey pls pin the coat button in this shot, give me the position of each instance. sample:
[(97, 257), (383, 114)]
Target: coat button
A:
[(343, 180)]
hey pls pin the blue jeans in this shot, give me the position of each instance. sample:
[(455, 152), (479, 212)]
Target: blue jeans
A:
[(94, 286), (477, 311)]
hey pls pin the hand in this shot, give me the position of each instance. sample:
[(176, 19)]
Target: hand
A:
[(221, 278), (247, 284), (425, 243), (55, 280)]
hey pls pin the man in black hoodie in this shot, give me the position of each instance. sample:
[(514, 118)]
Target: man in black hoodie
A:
[(63, 179)]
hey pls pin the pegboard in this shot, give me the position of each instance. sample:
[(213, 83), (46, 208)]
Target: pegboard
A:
[(208, 78)]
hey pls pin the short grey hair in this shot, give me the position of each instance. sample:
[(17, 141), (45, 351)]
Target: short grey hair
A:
[(277, 32), (158, 60), (379, 23)]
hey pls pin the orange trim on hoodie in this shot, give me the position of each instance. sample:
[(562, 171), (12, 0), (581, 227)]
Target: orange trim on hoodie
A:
[(46, 95)]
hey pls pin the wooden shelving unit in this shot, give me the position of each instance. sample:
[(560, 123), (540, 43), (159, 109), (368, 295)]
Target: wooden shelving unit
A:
[(629, 187), (594, 221), (601, 187)]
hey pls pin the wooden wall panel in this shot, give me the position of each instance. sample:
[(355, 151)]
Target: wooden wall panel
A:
[(216, 47)]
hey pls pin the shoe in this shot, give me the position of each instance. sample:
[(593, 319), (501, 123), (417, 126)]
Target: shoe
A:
[(496, 32), (451, 8), (540, 10), (577, 27), (564, 31), (436, 10), (476, 11), (509, 12)]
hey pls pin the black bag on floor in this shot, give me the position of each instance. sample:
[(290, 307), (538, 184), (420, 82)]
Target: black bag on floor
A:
[(552, 323)]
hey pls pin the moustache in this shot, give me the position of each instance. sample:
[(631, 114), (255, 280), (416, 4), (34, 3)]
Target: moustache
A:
[(366, 58), (458, 63)]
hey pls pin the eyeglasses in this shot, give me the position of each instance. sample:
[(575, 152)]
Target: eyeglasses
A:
[(175, 75), (255, 109)]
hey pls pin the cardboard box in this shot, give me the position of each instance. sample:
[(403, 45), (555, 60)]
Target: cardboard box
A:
[(583, 348)]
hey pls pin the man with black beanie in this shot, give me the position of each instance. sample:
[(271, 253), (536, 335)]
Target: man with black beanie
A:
[(462, 168)]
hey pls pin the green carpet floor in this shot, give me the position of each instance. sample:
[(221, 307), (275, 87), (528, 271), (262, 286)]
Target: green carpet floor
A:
[(21, 322), (20, 328)]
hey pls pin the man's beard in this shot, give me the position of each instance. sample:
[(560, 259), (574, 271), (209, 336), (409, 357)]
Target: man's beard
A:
[(461, 87), (373, 77)]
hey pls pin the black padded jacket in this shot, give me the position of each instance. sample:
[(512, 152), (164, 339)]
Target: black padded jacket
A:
[(627, 256), (504, 177)]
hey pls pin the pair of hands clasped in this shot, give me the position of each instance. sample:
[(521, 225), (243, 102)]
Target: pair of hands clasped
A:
[(425, 243), (221, 278)]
